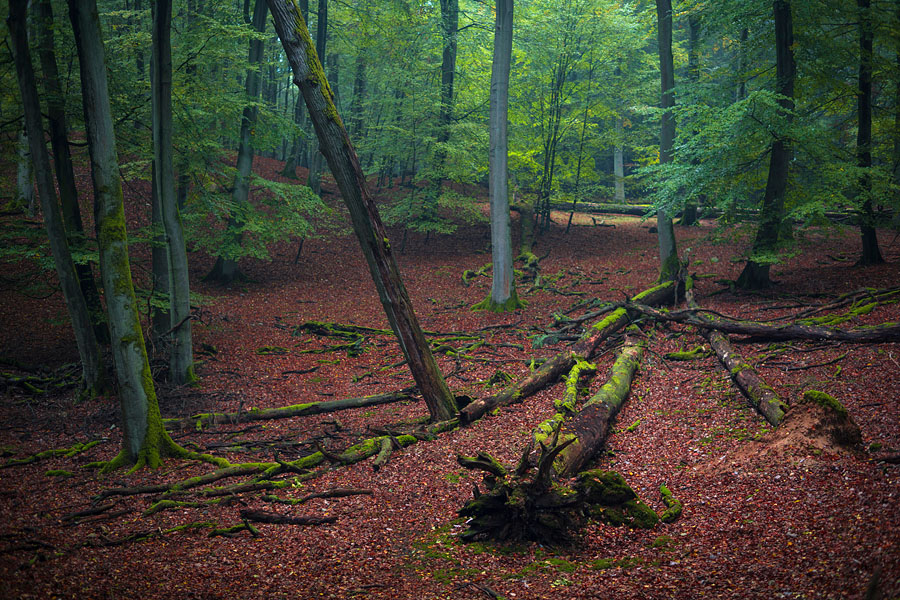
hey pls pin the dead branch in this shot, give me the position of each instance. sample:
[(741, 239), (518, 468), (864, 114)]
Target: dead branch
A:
[(261, 516)]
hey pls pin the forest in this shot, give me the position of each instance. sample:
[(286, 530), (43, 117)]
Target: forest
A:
[(450, 299)]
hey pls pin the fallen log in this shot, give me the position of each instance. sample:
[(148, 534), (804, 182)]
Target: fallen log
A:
[(590, 427), (584, 348), (262, 516), (758, 393), (884, 333), (201, 420), (535, 502)]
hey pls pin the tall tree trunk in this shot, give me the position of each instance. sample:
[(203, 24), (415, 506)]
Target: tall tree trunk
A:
[(756, 272), (619, 161), (226, 270), (689, 217), (299, 145), (88, 349), (315, 160), (24, 176), (344, 164), (668, 253), (503, 289), (144, 439), (181, 360), (160, 321), (359, 97), (65, 173), (871, 253)]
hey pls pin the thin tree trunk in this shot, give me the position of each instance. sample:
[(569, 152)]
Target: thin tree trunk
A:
[(619, 162), (144, 440), (871, 253), (668, 253), (88, 349), (25, 198), (689, 217), (503, 288), (756, 272), (65, 173), (226, 269), (159, 259), (344, 164), (181, 360)]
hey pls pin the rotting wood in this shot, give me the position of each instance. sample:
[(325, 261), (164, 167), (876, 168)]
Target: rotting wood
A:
[(758, 393), (285, 412), (552, 369), (756, 331), (262, 516)]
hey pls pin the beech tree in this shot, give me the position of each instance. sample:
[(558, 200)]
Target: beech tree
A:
[(668, 253), (503, 289), (335, 144), (88, 348), (226, 269), (144, 439), (181, 363), (755, 274)]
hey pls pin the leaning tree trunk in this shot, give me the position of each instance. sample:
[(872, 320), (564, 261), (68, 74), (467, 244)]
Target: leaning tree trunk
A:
[(668, 252), (24, 176), (503, 287), (756, 272), (338, 150), (226, 268), (144, 439), (181, 360), (871, 253), (314, 180), (88, 349)]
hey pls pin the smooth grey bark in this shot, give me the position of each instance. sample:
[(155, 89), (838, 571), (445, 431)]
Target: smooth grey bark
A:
[(88, 349), (503, 290), (619, 162), (160, 320), (690, 215), (755, 274), (315, 160), (137, 395), (449, 34), (344, 164), (871, 253), (24, 175), (62, 163), (226, 270), (181, 359), (668, 253)]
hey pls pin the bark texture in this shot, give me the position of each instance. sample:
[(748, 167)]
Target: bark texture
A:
[(88, 349), (668, 252), (181, 360), (338, 150), (503, 290), (144, 440), (756, 272)]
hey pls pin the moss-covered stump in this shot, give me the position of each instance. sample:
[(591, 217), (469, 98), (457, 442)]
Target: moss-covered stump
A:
[(528, 505)]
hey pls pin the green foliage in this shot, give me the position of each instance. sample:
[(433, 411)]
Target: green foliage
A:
[(277, 211)]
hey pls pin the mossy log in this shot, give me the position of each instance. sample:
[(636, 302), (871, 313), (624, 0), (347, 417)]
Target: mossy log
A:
[(590, 427), (584, 348), (528, 504), (759, 394), (877, 334), (201, 420)]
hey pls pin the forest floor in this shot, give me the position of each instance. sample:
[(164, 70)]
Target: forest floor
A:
[(793, 521)]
